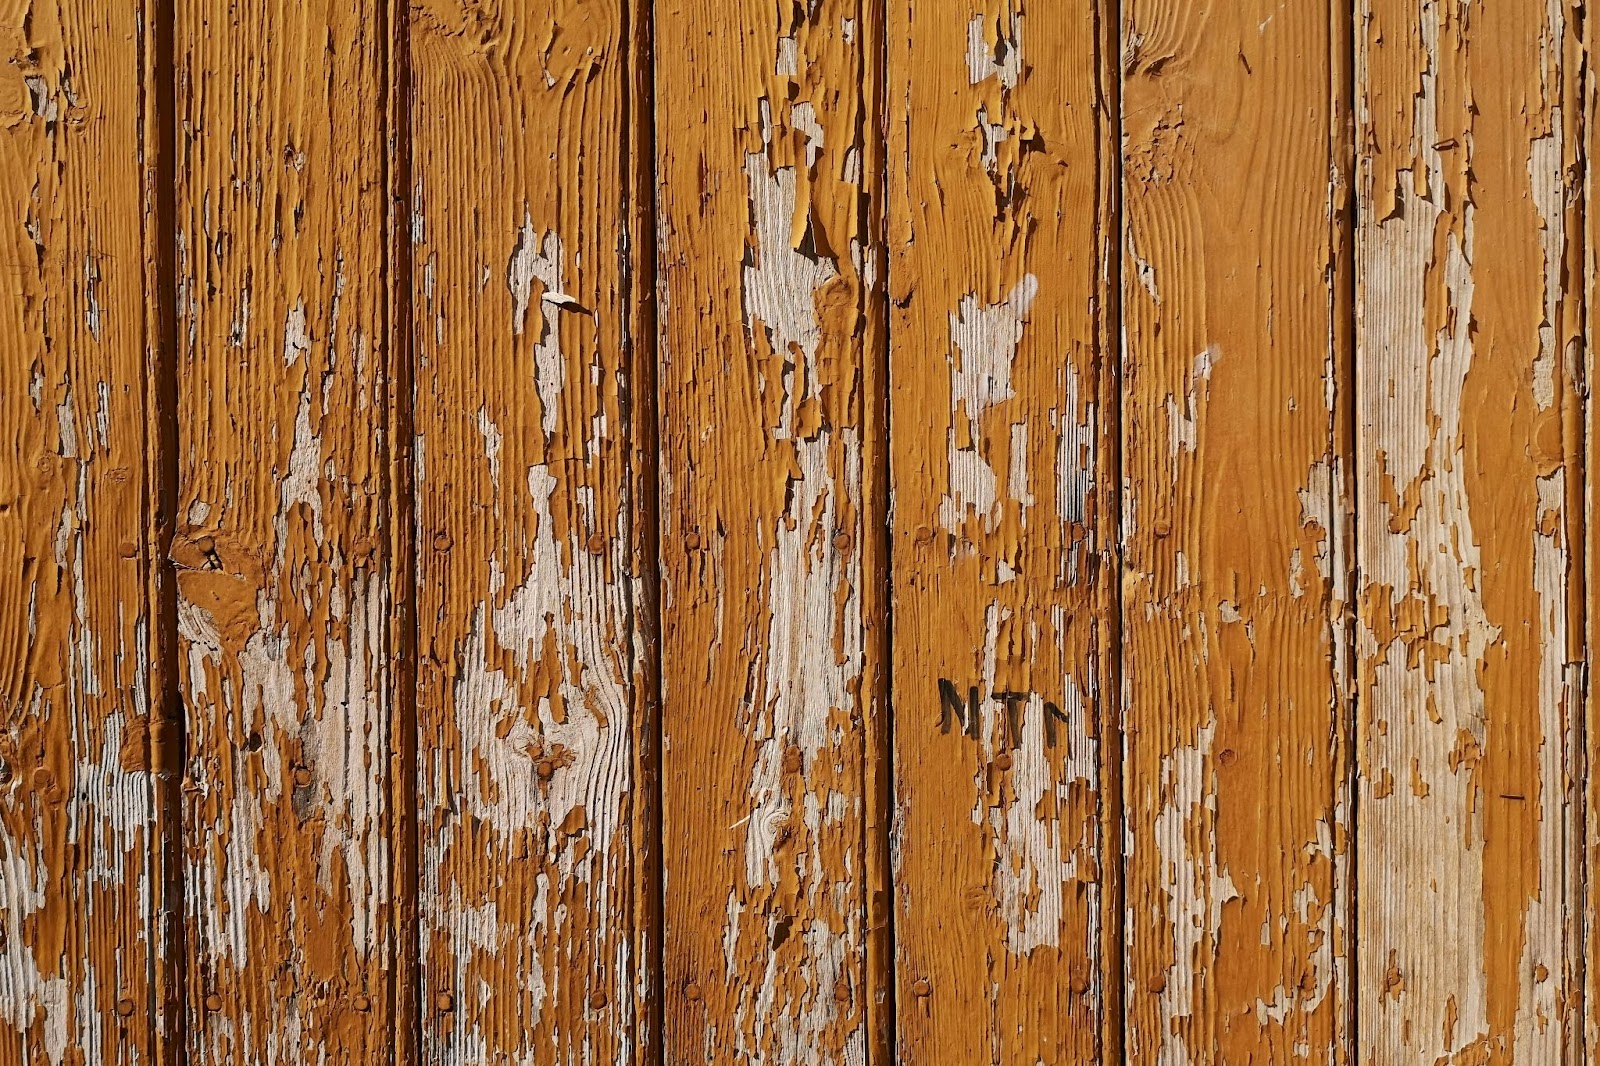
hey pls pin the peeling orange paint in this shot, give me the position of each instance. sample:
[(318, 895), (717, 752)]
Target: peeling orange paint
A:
[(1235, 519), (1466, 336), (999, 244)]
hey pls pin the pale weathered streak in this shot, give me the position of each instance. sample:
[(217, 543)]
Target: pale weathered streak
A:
[(283, 576), (998, 228), (1236, 821), (529, 677), (1465, 437), (78, 803), (767, 674)]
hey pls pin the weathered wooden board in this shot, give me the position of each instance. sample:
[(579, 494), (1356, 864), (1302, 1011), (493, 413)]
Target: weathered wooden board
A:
[(1233, 528), (78, 686), (1002, 163), (282, 547), (1579, 124), (1469, 334), (768, 661), (451, 603), (530, 675)]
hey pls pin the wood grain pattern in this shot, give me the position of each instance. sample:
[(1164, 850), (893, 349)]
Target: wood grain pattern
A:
[(1580, 123), (767, 671), (282, 551), (78, 688), (529, 590), (1233, 527), (1469, 647), (852, 532), (1002, 166)]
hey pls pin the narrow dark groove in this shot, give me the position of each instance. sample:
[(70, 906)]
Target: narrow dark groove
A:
[(878, 416), (1583, 555), (169, 957), (400, 521), (1108, 334), (640, 412), (1343, 290)]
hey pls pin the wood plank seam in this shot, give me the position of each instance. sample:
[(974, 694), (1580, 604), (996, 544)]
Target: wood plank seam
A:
[(1344, 509), (1113, 1036), (400, 522), (169, 752), (880, 993), (641, 411)]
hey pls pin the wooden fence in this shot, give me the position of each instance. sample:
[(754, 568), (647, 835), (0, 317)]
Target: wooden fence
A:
[(740, 531)]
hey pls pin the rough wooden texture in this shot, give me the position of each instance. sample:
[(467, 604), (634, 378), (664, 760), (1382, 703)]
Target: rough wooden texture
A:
[(1233, 527), (1467, 431), (450, 600), (282, 550), (1579, 123), (1001, 168), (77, 685), (529, 591), (767, 666)]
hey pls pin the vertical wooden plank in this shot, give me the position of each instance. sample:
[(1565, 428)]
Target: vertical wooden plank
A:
[(766, 270), (1001, 157), (283, 545), (531, 671), (1235, 579), (77, 504), (1469, 684), (1581, 125)]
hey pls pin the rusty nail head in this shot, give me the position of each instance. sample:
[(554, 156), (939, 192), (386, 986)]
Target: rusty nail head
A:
[(442, 541), (692, 991), (302, 776), (1227, 756), (691, 541), (1002, 761), (445, 1002), (841, 540), (362, 1004), (213, 1002), (125, 1006), (546, 769), (598, 1000), (597, 543), (922, 987)]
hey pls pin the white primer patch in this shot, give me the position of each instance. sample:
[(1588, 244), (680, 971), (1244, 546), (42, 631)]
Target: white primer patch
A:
[(984, 340)]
